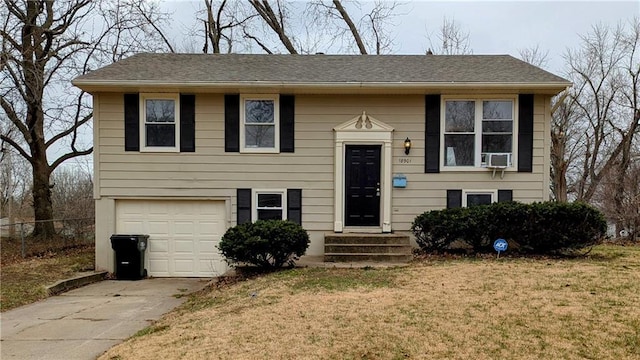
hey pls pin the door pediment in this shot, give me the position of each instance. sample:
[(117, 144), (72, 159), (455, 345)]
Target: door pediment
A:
[(363, 123)]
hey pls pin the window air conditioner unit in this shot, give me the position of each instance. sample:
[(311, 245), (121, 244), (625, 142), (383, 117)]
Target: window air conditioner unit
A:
[(498, 160)]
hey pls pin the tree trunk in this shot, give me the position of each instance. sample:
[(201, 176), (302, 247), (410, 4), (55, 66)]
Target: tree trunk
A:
[(41, 171), (559, 167), (42, 205)]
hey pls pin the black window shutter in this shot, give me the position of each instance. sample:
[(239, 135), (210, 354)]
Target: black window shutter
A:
[(432, 134), (244, 206), (505, 195), (287, 123), (187, 123), (294, 205), (131, 122), (454, 199), (232, 123), (525, 133)]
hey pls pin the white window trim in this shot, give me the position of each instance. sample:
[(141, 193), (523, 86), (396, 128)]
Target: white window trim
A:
[(478, 134), (254, 201), (465, 193), (143, 121), (276, 120)]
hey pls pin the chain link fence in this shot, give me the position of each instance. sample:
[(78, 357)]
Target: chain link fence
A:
[(17, 241)]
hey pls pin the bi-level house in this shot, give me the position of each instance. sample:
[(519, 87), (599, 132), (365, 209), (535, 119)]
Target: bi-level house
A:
[(187, 145)]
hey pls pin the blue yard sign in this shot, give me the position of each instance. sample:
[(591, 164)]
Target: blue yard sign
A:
[(500, 245)]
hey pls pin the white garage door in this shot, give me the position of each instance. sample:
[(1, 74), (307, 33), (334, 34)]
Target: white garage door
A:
[(183, 235)]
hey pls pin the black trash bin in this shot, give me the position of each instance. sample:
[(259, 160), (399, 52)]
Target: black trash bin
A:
[(129, 255)]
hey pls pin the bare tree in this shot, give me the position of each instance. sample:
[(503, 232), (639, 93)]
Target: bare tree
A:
[(277, 20), (325, 23), (44, 45), (535, 56), (567, 142), (344, 15), (367, 33), (605, 73), (600, 118), (220, 21), (624, 210), (72, 194), (450, 39), (14, 185)]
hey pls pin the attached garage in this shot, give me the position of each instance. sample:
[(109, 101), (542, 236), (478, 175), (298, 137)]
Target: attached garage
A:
[(183, 234)]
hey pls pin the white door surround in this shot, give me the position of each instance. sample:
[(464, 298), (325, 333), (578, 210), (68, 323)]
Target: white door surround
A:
[(363, 130)]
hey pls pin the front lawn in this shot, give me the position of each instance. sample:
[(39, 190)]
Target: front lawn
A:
[(464, 308)]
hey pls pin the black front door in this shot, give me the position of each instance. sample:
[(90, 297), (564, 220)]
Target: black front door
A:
[(362, 185)]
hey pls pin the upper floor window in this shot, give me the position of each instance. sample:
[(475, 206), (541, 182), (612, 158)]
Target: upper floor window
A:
[(478, 132), (160, 125), (259, 123)]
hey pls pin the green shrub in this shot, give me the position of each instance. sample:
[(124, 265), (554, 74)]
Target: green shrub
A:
[(540, 228), (265, 243), (554, 227), (437, 230)]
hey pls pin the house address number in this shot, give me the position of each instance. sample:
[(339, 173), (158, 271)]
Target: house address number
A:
[(405, 160)]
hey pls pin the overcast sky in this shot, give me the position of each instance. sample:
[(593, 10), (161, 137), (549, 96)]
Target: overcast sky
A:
[(495, 27), (504, 27)]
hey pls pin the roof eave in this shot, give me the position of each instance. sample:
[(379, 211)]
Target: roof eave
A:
[(93, 86)]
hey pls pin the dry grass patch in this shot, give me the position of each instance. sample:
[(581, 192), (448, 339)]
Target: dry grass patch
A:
[(455, 309), (23, 281)]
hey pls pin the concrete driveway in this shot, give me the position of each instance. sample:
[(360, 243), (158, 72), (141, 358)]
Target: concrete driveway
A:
[(85, 322)]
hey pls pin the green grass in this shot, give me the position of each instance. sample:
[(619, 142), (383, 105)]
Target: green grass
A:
[(150, 330), (338, 279)]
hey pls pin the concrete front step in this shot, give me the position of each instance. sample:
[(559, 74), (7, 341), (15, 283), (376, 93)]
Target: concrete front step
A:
[(366, 239), (368, 248), (355, 257), (360, 247)]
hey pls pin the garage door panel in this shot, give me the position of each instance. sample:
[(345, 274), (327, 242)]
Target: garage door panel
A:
[(160, 266), (184, 266), (210, 228), (184, 247), (182, 227), (183, 234), (207, 247), (159, 227), (158, 245)]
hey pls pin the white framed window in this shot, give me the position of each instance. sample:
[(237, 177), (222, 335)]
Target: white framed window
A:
[(478, 197), (270, 204), (478, 132), (160, 122), (259, 123)]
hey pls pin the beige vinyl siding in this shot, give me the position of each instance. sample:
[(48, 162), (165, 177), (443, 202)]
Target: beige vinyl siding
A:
[(212, 173)]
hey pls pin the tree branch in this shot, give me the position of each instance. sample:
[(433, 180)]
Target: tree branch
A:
[(15, 120), (16, 146), (268, 15), (354, 31), (257, 41), (68, 156), (152, 23)]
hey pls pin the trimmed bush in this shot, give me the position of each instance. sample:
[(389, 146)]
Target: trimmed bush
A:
[(554, 227), (540, 228), (265, 243)]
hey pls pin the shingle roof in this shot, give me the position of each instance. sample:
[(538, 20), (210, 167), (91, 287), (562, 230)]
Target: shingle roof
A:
[(325, 69)]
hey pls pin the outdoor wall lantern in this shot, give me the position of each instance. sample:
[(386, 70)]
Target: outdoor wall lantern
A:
[(407, 146)]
